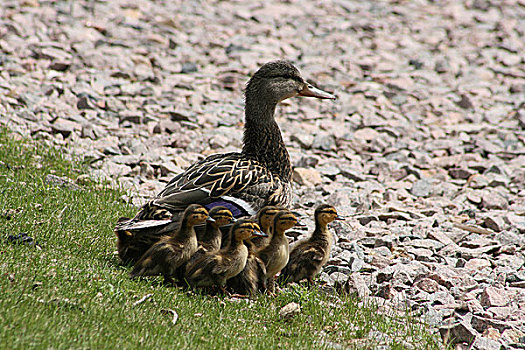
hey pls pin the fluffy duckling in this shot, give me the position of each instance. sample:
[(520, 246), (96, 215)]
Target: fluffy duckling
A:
[(215, 268), (309, 256), (252, 278), (170, 252), (211, 238), (275, 255), (265, 221)]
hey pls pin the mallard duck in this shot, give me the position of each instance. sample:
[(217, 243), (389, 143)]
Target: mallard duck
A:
[(215, 268), (252, 278), (307, 257), (265, 220), (170, 252), (275, 255), (243, 181)]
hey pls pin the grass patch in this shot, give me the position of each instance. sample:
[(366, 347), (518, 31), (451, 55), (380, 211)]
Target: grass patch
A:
[(72, 293)]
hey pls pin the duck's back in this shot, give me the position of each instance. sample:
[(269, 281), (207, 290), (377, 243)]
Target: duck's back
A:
[(233, 180)]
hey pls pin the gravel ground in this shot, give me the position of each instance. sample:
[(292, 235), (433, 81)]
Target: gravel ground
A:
[(424, 150)]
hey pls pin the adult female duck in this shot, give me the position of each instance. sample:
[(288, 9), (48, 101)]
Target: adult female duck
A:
[(243, 181)]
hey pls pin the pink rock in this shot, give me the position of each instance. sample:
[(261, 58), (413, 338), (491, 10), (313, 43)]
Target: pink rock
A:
[(427, 285), (477, 264), (493, 296)]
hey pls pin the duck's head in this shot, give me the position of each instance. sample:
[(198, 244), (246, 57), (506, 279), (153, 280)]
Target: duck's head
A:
[(283, 221), (278, 80), (195, 214), (325, 214), (265, 217), (246, 229), (220, 216)]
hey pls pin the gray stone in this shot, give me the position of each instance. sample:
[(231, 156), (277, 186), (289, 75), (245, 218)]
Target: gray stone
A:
[(422, 188), (482, 343)]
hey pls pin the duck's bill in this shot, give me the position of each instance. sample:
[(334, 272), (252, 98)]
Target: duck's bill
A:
[(210, 219), (340, 217), (259, 234), (234, 219), (311, 91), (300, 224)]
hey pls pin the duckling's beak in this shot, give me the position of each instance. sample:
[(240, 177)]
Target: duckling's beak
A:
[(259, 233), (234, 219), (299, 224), (210, 219), (340, 217), (311, 91)]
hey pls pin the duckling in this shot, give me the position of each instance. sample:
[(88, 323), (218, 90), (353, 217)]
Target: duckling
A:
[(265, 219), (275, 255), (210, 239), (215, 268), (252, 278), (170, 252), (309, 256)]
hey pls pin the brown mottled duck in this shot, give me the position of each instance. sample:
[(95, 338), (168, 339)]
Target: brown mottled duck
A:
[(243, 181)]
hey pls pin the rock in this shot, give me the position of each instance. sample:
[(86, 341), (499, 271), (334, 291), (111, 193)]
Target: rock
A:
[(324, 142), (459, 332), (428, 285), (307, 177), (500, 313), (465, 102), (338, 279), (460, 173), (492, 296), (84, 102), (482, 343), (366, 134), (513, 336), (422, 188), (356, 285), (495, 223), (289, 311), (477, 264), (62, 182), (65, 127)]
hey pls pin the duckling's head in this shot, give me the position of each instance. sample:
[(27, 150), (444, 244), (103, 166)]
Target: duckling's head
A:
[(220, 216), (265, 217), (325, 214), (195, 214), (245, 229), (278, 80), (283, 221)]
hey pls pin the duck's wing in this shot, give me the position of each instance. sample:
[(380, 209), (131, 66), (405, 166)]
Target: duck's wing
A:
[(240, 184)]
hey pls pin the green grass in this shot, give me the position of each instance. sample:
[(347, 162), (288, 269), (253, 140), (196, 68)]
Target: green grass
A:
[(72, 293)]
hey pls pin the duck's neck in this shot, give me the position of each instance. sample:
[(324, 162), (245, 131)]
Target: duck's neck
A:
[(321, 231), (186, 230), (263, 140), (212, 236), (235, 245)]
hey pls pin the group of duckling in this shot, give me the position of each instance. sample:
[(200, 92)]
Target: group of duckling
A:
[(240, 256)]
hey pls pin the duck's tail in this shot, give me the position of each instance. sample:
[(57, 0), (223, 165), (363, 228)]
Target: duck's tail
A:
[(134, 237)]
